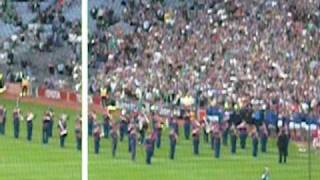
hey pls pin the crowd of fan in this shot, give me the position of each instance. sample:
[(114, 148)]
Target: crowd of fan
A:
[(45, 49), (262, 51)]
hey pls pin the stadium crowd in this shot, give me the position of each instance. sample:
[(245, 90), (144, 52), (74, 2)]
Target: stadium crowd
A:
[(265, 52), (42, 43)]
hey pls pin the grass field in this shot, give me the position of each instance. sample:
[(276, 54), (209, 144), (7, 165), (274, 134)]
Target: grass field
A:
[(23, 160), (186, 166)]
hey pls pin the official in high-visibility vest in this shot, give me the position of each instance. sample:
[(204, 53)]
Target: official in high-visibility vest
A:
[(25, 87), (167, 17), (1, 81), (103, 95)]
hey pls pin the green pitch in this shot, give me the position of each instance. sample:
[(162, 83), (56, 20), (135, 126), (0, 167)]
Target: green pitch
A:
[(23, 160), (186, 166)]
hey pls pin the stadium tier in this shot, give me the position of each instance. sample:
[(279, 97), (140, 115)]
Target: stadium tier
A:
[(40, 40)]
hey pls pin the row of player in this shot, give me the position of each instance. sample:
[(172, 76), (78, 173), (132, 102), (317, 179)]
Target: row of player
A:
[(136, 127), (47, 125)]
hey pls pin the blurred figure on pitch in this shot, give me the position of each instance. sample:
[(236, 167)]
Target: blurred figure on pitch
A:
[(51, 122), (62, 126), (255, 141), (243, 134), (96, 136), (106, 124), (154, 136), (92, 117), (78, 132), (173, 142), (233, 138), (3, 115), (143, 127), (217, 141), (149, 148), (205, 129), (225, 132), (225, 123), (158, 131), (264, 137), (174, 124), (29, 118), (131, 127), (133, 143), (187, 125), (17, 117), (123, 125), (45, 128), (214, 130), (196, 136), (114, 138), (283, 143)]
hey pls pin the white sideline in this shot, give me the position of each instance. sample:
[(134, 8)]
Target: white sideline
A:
[(84, 57)]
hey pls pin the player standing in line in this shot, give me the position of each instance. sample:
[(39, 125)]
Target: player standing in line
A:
[(149, 149), (51, 122), (91, 118), (175, 125), (114, 138), (243, 134), (133, 143), (29, 118), (45, 128), (106, 124), (217, 141), (158, 132), (187, 126), (255, 142), (233, 139), (123, 126), (263, 137), (78, 132), (62, 126), (2, 119), (173, 142), (283, 143), (195, 136), (16, 122), (96, 137)]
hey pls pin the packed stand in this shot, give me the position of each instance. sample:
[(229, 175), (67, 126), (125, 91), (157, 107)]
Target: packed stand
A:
[(261, 51), (45, 48)]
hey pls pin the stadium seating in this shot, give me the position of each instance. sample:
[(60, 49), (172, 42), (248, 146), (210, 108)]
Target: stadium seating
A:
[(7, 30), (23, 9), (73, 12), (58, 54)]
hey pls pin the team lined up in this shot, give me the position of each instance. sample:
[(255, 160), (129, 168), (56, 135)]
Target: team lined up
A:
[(47, 125), (140, 130), (148, 130)]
